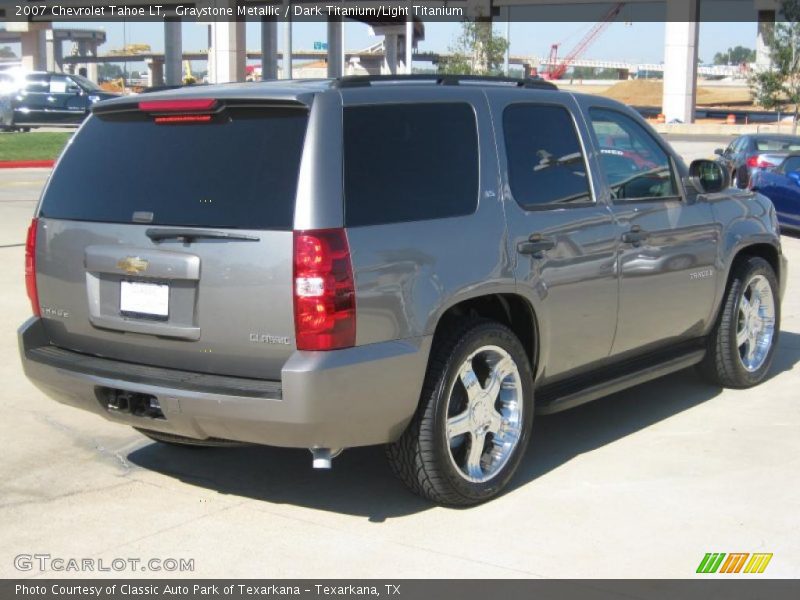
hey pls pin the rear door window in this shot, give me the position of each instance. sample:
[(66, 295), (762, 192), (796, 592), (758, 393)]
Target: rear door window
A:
[(239, 171), (409, 162), (546, 167), (37, 83)]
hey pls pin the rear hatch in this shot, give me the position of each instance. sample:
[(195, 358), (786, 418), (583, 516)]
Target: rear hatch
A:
[(165, 236)]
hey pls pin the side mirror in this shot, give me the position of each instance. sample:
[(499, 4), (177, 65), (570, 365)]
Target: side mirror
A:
[(794, 176), (719, 151), (708, 176)]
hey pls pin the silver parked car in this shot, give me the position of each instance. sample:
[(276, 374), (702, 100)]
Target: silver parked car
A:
[(418, 262)]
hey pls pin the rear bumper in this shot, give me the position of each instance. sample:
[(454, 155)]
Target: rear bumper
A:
[(354, 397)]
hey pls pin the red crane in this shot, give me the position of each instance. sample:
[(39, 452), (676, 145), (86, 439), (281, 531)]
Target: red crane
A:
[(556, 69)]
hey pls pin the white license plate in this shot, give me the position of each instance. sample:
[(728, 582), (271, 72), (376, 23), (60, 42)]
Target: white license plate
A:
[(147, 299)]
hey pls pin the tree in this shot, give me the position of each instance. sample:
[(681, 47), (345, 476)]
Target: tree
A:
[(779, 86), (7, 52), (476, 51), (109, 71), (735, 56)]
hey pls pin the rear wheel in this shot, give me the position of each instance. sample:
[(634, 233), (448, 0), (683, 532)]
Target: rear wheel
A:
[(741, 347), (474, 419)]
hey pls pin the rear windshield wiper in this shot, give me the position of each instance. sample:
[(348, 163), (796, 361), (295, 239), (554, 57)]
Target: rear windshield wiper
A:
[(188, 235)]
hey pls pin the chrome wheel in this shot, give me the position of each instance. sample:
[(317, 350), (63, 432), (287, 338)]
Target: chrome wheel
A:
[(755, 326), (484, 414)]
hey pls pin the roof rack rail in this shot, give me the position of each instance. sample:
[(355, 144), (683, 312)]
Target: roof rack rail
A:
[(353, 81)]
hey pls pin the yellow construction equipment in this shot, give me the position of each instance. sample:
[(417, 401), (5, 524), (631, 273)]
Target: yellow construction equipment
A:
[(130, 49), (188, 77)]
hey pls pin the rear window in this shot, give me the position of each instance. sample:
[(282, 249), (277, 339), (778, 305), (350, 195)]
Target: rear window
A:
[(239, 171), (409, 162), (778, 145)]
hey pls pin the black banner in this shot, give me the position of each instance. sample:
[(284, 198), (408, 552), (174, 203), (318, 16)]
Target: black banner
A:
[(480, 589), (375, 11)]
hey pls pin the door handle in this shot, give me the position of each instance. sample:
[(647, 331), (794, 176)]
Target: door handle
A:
[(536, 245), (635, 236)]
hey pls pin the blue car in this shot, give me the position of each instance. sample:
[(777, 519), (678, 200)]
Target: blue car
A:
[(782, 186)]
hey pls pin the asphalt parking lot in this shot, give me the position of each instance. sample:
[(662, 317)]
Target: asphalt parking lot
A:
[(639, 484)]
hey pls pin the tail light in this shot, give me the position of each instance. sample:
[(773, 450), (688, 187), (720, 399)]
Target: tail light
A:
[(30, 267), (324, 290), (188, 105), (757, 161)]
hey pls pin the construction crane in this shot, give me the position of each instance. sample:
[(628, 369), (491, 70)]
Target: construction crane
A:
[(556, 69)]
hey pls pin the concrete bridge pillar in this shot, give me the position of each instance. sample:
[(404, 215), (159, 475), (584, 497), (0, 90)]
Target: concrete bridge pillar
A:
[(88, 48), (680, 60), (390, 54), (54, 54), (227, 54), (155, 72), (287, 46), (335, 48), (269, 48), (173, 52), (766, 27), (33, 48)]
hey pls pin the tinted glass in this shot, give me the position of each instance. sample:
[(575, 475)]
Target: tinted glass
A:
[(409, 162), (545, 161), (37, 83), (86, 84), (238, 172), (779, 145), (636, 167)]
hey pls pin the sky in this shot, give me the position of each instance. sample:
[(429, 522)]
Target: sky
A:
[(638, 42)]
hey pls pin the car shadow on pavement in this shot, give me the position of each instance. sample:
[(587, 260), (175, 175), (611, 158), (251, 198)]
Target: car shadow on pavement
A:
[(562, 436), (361, 483)]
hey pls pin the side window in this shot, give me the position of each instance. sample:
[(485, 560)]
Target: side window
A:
[(640, 169), (546, 166), (72, 86), (742, 145), (409, 162), (37, 83)]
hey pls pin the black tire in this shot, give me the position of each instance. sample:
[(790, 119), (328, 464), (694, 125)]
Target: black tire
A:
[(421, 458), (186, 442), (723, 364)]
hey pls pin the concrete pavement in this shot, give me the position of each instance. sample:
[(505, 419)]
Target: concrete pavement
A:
[(640, 484)]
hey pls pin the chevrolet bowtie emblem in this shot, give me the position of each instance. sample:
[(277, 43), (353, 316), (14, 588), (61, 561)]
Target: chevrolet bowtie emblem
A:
[(133, 265)]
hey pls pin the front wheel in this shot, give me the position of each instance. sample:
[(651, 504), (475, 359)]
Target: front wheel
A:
[(742, 344), (474, 420)]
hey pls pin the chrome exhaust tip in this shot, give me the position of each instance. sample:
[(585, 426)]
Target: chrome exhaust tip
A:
[(322, 458)]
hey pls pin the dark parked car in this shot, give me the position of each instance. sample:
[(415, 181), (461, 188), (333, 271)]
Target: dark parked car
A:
[(782, 186), (421, 263), (748, 154), (35, 99)]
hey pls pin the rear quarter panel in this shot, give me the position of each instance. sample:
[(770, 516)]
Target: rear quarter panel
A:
[(408, 274)]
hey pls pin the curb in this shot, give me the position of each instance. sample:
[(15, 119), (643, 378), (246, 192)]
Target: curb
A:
[(26, 164)]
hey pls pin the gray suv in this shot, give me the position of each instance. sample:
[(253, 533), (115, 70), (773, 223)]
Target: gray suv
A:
[(421, 263)]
